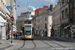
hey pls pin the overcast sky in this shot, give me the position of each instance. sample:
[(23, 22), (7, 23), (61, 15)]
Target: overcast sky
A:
[(25, 5)]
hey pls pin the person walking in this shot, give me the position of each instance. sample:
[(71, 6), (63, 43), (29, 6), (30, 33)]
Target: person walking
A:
[(9, 35), (16, 34)]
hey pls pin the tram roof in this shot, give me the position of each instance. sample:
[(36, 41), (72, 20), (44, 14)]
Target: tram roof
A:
[(27, 24)]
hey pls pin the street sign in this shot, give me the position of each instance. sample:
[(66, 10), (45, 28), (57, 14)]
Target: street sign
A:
[(12, 18)]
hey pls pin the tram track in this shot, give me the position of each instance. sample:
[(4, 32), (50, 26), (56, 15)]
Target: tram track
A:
[(18, 42), (34, 45), (40, 39), (45, 43), (22, 45), (54, 42)]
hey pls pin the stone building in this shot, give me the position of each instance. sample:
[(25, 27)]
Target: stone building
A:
[(43, 22), (5, 22), (25, 17), (67, 18), (56, 19)]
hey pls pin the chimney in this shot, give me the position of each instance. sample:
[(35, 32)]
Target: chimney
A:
[(36, 12), (51, 7), (45, 6)]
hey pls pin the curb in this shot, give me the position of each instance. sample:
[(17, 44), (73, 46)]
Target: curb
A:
[(66, 39)]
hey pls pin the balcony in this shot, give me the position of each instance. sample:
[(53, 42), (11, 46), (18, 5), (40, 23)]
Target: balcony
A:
[(4, 11), (7, 11)]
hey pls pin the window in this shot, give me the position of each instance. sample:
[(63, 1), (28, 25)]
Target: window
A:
[(63, 14), (27, 30), (66, 1), (62, 1), (45, 25), (74, 4), (45, 19), (66, 12), (70, 6)]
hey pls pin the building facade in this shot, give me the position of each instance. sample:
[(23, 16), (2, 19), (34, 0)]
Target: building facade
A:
[(5, 22), (24, 18), (56, 19), (67, 18), (42, 23)]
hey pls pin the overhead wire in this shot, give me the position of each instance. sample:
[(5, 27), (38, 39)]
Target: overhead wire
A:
[(21, 4)]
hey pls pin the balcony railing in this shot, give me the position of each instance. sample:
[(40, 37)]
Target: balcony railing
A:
[(4, 10), (7, 11)]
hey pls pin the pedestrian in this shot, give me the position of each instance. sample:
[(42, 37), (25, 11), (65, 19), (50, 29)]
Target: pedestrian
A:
[(42, 35), (9, 35), (16, 34)]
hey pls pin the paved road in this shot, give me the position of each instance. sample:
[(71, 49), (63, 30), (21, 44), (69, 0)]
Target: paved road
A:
[(42, 43)]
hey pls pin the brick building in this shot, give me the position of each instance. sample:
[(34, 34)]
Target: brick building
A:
[(39, 10)]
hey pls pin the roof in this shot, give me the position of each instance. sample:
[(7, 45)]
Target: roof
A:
[(46, 12), (23, 18), (27, 24)]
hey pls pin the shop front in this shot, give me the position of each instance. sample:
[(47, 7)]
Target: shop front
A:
[(0, 32), (57, 31), (2, 28)]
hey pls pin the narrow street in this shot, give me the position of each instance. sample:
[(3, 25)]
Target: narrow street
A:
[(40, 43)]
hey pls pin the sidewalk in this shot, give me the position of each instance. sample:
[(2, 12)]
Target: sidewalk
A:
[(7, 44), (65, 39)]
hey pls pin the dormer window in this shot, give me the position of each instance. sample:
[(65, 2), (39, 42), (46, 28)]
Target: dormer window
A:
[(62, 1)]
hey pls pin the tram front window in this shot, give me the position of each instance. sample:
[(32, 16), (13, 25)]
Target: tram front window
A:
[(27, 30)]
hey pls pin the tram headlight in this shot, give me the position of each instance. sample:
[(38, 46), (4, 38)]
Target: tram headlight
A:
[(25, 35)]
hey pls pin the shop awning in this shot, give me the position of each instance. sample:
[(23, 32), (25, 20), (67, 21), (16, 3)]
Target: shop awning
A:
[(1, 24), (2, 20), (66, 27)]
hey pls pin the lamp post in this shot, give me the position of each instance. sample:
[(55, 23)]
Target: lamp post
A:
[(12, 19)]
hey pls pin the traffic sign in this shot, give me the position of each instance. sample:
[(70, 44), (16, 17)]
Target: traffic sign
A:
[(12, 18)]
